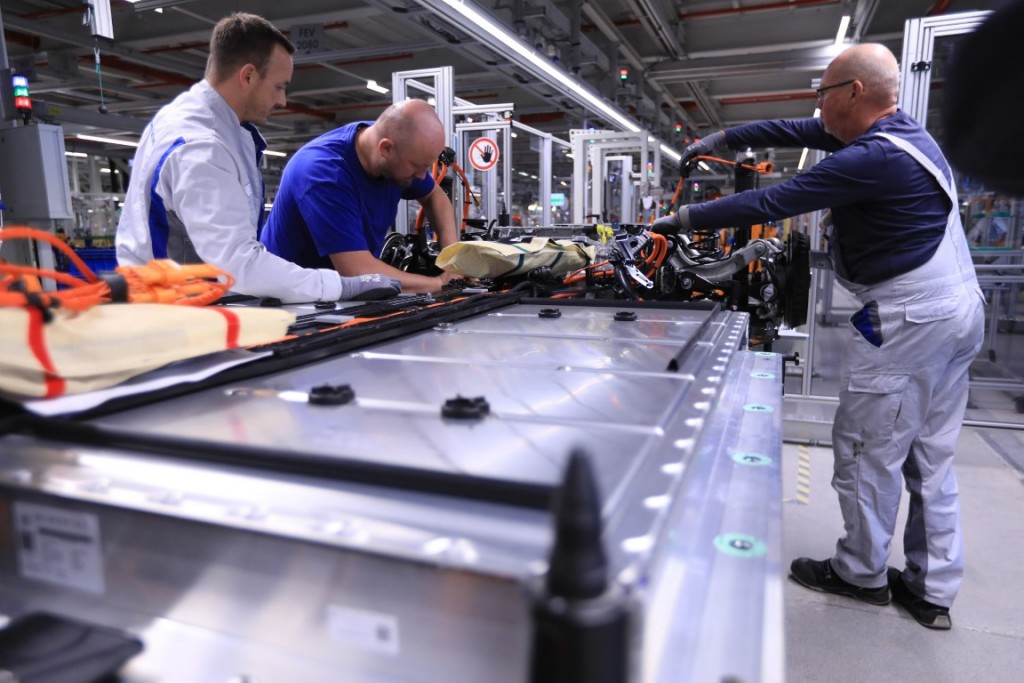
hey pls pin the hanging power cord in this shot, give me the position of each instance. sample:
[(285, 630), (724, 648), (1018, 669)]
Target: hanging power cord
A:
[(764, 168), (99, 75), (439, 171)]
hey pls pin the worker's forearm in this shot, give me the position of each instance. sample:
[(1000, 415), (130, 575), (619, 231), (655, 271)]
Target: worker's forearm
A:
[(364, 263), (446, 234), (441, 216)]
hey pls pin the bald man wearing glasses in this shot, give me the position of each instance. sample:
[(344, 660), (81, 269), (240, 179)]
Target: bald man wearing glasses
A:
[(896, 242)]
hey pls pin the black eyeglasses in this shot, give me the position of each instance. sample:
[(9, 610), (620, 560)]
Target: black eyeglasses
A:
[(821, 91)]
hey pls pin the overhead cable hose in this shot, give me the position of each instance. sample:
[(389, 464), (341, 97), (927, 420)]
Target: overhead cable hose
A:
[(765, 167), (99, 75)]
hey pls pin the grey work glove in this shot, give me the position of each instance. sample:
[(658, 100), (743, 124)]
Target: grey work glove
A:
[(672, 225), (705, 145), (369, 287)]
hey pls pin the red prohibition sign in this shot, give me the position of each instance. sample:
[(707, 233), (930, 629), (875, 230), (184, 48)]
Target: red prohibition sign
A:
[(483, 154)]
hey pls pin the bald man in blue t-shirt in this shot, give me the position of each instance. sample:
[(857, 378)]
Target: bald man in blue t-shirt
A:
[(340, 192)]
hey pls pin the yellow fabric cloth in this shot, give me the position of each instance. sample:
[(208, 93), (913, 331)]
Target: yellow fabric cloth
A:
[(498, 259), (108, 344)]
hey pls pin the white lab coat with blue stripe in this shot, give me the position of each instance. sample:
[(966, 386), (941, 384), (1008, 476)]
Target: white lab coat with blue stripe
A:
[(196, 195)]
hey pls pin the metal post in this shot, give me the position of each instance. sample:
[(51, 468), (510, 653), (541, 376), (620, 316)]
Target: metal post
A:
[(443, 91), (506, 173), (579, 176), (3, 43), (596, 158), (4, 71)]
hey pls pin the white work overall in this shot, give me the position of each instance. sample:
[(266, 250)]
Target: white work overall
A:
[(902, 398)]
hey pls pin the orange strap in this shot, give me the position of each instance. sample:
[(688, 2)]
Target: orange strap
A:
[(36, 341)]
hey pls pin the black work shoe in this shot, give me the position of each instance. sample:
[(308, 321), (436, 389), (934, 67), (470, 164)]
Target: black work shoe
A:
[(926, 613), (818, 576)]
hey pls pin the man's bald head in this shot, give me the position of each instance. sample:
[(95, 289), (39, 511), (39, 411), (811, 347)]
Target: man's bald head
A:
[(410, 121), (872, 64), (858, 88), (402, 143)]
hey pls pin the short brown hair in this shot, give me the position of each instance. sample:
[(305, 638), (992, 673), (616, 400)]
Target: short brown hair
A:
[(241, 39)]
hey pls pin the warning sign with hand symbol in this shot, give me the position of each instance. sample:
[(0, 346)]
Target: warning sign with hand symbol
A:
[(483, 154)]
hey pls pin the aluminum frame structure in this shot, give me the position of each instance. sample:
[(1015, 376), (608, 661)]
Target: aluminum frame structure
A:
[(547, 143), (626, 207), (448, 108), (918, 48), (589, 148), (489, 178)]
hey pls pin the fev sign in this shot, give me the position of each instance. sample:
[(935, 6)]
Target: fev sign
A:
[(308, 38)]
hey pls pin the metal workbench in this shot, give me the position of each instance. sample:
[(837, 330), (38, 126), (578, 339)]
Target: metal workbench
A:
[(245, 533)]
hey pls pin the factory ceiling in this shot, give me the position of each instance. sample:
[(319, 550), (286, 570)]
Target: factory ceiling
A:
[(678, 68)]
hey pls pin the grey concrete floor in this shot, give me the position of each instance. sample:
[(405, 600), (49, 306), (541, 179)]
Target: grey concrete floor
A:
[(836, 639)]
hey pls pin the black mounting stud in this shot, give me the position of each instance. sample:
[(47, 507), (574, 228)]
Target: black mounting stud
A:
[(331, 395), (462, 408)]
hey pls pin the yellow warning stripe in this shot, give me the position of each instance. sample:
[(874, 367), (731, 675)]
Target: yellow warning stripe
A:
[(803, 477)]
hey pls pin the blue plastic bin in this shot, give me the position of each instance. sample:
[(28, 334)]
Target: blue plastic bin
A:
[(99, 260)]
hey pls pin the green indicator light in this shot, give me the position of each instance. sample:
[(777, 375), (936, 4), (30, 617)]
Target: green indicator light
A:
[(740, 545)]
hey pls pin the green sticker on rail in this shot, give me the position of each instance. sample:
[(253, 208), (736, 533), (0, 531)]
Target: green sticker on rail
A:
[(757, 408), (762, 375), (740, 545)]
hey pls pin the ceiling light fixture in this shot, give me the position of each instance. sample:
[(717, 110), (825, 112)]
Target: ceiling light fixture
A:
[(109, 141), (671, 153), (158, 5), (803, 159), (271, 153), (77, 155), (467, 16), (376, 87), (844, 26)]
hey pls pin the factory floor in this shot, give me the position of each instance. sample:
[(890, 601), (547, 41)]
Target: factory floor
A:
[(839, 640)]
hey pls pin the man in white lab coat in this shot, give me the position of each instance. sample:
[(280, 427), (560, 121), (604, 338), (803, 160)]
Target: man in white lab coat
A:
[(197, 195)]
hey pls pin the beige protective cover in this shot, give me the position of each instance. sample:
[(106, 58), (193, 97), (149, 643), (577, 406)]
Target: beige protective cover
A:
[(108, 344), (497, 259)]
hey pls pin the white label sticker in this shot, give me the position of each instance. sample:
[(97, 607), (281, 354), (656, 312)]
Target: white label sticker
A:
[(373, 631), (59, 546)]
